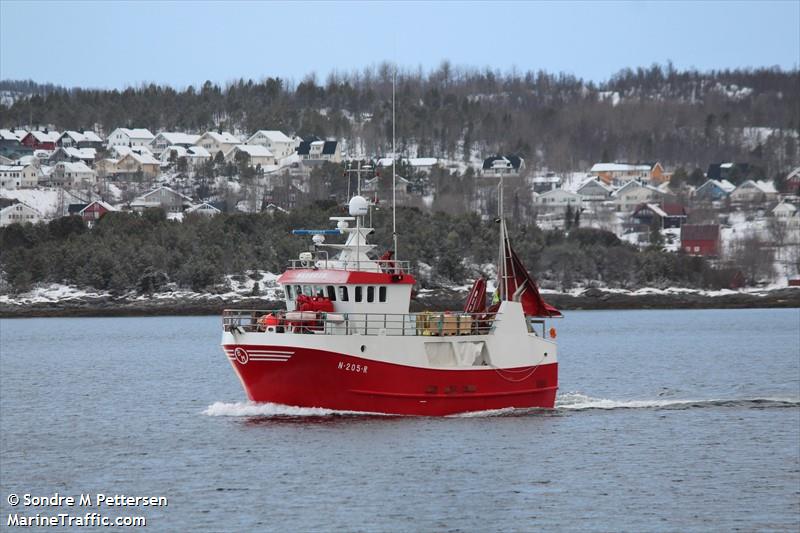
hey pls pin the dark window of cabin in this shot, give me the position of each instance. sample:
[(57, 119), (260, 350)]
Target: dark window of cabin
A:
[(319, 292), (332, 293), (289, 293), (298, 290), (370, 294), (343, 294), (308, 290), (359, 290), (382, 294)]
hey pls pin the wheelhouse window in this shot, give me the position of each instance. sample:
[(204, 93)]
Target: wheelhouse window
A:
[(331, 293), (289, 293), (370, 294), (308, 290), (343, 294), (381, 294), (359, 292)]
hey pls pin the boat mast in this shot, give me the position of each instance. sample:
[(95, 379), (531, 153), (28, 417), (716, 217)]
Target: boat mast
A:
[(502, 275)]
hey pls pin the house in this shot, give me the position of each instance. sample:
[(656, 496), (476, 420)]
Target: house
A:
[(727, 171), (546, 182), (594, 190), (41, 140), (11, 143), (218, 141), (792, 181), (195, 155), (665, 215), (19, 213), (701, 239), (313, 150), (633, 194), (11, 176), (618, 174), (204, 209), (129, 137), (121, 151), (70, 174), (94, 211), (275, 141), (714, 190), (257, 154), (754, 191), (373, 187), (784, 210), (557, 200), (133, 163), (87, 155), (167, 199), (31, 175), (508, 165), (80, 139), (165, 139)]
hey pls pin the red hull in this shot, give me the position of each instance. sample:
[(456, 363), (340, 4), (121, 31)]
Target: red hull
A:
[(317, 378)]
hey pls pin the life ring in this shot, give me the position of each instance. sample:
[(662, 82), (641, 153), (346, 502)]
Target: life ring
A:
[(552, 333)]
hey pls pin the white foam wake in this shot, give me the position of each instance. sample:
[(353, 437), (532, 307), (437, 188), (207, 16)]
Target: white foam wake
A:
[(271, 410), (573, 401)]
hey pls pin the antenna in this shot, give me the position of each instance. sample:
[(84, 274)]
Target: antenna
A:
[(394, 163)]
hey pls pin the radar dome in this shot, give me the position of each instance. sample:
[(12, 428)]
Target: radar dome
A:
[(359, 206)]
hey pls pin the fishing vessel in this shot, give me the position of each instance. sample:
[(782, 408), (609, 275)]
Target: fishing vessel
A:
[(348, 341)]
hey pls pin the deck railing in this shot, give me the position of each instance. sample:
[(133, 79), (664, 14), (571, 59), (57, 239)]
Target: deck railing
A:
[(390, 266), (390, 324)]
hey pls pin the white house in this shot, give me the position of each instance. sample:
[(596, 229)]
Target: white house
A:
[(558, 200), (594, 190), (195, 155), (123, 150), (73, 173), (166, 139), (130, 137), (30, 176), (784, 210), (754, 191), (275, 141), (633, 193), (215, 141), (259, 154), (204, 209), (168, 199), (11, 176), (19, 213)]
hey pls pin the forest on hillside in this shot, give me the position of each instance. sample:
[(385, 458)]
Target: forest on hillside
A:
[(679, 117), (148, 253)]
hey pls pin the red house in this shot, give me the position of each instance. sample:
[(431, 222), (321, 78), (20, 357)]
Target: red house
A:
[(92, 212), (41, 140), (701, 239), (793, 181)]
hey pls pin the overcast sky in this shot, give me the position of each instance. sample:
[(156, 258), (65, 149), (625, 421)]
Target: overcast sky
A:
[(115, 44)]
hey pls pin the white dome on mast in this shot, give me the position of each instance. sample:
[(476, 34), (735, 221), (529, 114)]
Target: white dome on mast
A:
[(359, 206)]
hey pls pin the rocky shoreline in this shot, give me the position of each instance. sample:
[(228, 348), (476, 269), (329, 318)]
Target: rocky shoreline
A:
[(434, 300)]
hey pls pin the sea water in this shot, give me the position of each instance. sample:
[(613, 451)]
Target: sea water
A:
[(665, 420)]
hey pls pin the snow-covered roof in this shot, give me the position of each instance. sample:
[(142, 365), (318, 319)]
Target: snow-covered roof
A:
[(766, 187), (272, 135), (144, 159), (80, 153), (595, 181), (101, 203), (205, 206), (14, 205), (197, 151), (223, 138), (617, 167), (11, 168), (137, 133), (254, 150), (122, 151), (634, 183), (784, 206), (422, 161), (86, 136), (560, 192), (16, 135), (726, 186), (78, 166), (143, 198), (43, 137), (177, 137)]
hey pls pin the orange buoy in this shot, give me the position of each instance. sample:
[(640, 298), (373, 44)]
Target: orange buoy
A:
[(552, 333)]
